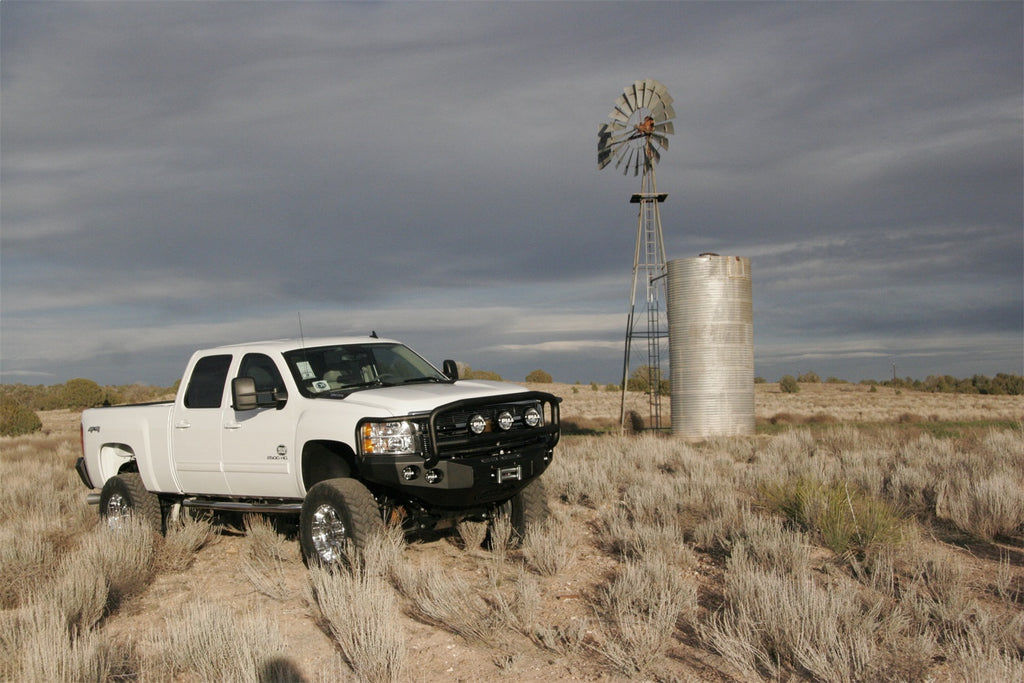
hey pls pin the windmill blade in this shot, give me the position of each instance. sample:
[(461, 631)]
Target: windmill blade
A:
[(650, 91), (630, 93), (619, 116), (662, 112), (662, 93), (642, 96), (665, 128), (660, 139)]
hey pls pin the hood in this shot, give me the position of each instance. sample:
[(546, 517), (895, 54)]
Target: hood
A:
[(422, 398)]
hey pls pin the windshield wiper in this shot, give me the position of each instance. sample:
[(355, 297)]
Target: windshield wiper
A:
[(416, 380)]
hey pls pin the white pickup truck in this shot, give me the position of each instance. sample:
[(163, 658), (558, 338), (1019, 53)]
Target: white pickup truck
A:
[(347, 432)]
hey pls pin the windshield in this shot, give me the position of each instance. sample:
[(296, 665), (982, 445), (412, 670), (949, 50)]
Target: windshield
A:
[(340, 370)]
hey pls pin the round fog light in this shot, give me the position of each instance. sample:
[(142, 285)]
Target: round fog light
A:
[(410, 472), (532, 417), (505, 420), (433, 476), (477, 424)]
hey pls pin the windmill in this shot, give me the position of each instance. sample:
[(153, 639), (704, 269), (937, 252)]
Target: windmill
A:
[(639, 128)]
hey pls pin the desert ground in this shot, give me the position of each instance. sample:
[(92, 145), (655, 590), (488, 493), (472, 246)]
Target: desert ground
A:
[(657, 559)]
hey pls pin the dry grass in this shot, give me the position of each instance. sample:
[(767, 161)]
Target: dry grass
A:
[(825, 552), (360, 609)]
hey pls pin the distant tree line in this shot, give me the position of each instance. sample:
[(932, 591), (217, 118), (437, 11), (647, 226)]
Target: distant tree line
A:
[(79, 393), (1003, 384)]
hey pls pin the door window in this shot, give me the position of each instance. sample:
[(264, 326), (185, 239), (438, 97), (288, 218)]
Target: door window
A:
[(206, 386)]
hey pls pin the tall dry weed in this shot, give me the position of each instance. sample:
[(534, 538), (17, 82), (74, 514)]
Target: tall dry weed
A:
[(36, 645), (985, 508), (205, 641), (550, 547), (641, 607), (361, 612), (775, 624)]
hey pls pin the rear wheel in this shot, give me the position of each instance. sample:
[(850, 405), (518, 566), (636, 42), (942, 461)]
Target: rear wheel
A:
[(338, 515), (124, 496)]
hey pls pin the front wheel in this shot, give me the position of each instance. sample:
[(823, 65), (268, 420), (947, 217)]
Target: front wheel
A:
[(124, 496), (524, 510), (338, 515)]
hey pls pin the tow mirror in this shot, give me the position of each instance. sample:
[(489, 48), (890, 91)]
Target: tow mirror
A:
[(243, 394), (451, 370)]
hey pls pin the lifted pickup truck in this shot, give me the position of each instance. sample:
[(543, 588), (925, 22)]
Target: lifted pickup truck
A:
[(348, 433)]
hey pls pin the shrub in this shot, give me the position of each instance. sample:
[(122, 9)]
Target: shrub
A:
[(848, 521), (480, 374), (789, 385), (539, 377), (809, 378), (361, 612), (16, 419), (82, 393)]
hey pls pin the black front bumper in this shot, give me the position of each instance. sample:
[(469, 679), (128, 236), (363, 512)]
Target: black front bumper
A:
[(459, 470)]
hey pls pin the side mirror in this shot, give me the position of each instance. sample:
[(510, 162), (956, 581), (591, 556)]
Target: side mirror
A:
[(243, 394), (451, 370)]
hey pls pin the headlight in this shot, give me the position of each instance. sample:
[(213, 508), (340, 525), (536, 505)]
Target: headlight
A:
[(397, 437), (532, 417)]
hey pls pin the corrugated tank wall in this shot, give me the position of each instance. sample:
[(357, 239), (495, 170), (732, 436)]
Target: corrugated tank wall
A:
[(711, 346)]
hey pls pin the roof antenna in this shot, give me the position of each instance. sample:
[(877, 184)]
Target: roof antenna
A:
[(373, 334)]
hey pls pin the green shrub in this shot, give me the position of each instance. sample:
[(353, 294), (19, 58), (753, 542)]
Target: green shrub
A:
[(809, 378), (789, 385), (539, 377), (480, 374), (82, 393), (16, 419), (848, 521)]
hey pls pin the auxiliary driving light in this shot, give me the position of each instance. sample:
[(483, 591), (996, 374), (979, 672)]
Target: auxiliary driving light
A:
[(505, 420), (433, 476), (477, 424), (410, 472), (532, 417)]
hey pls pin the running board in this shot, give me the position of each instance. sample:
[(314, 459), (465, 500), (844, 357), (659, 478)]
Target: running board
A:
[(279, 507), (240, 506)]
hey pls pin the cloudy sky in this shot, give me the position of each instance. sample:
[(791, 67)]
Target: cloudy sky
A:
[(183, 174)]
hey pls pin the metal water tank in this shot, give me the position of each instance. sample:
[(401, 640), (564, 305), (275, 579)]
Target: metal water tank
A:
[(711, 346)]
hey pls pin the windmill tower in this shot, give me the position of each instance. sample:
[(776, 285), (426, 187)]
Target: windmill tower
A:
[(640, 126)]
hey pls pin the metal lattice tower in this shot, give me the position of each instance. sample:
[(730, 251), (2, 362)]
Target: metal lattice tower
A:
[(639, 127)]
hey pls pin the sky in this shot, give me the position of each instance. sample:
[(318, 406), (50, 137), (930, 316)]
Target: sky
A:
[(179, 175)]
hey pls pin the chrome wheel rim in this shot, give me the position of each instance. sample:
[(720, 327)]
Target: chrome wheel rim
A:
[(117, 511), (329, 533)]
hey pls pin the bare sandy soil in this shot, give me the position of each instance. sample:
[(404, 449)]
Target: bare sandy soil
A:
[(217, 575)]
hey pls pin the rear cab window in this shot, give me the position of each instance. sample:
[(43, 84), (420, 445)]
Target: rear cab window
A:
[(206, 385)]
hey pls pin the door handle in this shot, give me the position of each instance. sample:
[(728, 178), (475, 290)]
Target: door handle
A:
[(232, 425), (182, 424)]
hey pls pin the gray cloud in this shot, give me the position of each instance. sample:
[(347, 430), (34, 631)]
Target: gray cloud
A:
[(181, 174)]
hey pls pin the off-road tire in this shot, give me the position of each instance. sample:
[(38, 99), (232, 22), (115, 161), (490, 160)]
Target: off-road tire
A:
[(338, 516), (125, 495), (526, 509)]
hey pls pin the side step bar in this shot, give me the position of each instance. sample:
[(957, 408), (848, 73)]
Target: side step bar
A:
[(280, 507), (240, 506)]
